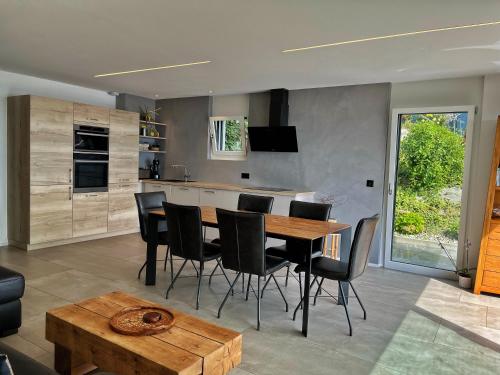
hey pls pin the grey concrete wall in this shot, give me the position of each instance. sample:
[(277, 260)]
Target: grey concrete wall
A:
[(133, 103), (341, 131)]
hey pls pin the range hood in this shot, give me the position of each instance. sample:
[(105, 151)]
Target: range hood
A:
[(278, 136)]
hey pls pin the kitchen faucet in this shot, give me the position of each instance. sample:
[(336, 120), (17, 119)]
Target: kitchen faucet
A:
[(186, 173)]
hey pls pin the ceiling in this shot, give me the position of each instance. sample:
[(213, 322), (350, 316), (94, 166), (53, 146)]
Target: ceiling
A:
[(71, 41)]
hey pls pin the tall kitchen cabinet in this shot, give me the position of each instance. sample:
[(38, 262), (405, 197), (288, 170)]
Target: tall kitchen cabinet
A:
[(43, 209), (123, 170), (40, 169)]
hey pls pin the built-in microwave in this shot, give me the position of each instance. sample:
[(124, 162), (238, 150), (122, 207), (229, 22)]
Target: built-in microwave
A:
[(90, 172), (90, 139)]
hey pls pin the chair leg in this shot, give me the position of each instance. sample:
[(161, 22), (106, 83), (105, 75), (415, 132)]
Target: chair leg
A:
[(300, 289), (318, 292), (287, 273), (301, 300), (243, 283), (248, 286), (212, 274), (265, 286), (281, 292), (345, 308), (227, 294), (175, 278), (199, 284), (360, 303), (171, 268), (258, 303), (140, 271), (225, 275), (166, 259), (196, 269)]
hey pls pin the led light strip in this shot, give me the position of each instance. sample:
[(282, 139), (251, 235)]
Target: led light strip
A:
[(393, 36), (150, 69)]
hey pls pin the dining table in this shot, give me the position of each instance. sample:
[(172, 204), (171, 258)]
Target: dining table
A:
[(276, 226)]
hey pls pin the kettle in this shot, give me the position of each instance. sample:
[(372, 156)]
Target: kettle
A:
[(154, 169)]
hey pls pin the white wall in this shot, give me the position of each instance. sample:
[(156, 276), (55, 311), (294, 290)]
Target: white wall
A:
[(17, 84), (457, 92)]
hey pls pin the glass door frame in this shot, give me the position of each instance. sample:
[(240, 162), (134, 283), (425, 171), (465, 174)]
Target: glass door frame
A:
[(393, 156)]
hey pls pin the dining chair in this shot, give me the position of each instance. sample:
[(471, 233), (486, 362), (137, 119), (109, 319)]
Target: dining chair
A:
[(186, 241), (242, 236), (332, 269), (294, 250), (147, 202), (252, 203)]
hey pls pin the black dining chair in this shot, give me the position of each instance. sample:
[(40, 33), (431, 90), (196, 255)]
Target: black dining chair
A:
[(147, 202), (294, 250), (252, 203), (242, 236), (185, 236), (331, 269)]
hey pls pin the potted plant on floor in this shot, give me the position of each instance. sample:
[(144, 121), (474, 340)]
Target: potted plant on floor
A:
[(464, 274)]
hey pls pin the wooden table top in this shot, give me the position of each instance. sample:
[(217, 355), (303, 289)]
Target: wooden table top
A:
[(191, 346), (278, 226)]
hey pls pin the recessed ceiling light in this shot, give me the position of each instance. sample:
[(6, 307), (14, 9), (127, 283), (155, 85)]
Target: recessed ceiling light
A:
[(393, 36), (156, 95), (150, 69), (210, 92)]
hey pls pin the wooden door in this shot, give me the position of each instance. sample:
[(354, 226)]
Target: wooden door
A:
[(122, 207), (90, 114), (90, 213), (123, 147), (51, 213), (51, 141)]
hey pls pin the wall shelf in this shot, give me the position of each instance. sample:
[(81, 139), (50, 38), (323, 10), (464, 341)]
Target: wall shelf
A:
[(152, 123), (154, 152), (149, 137)]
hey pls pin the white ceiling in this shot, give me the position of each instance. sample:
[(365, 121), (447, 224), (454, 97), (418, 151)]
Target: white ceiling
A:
[(73, 40)]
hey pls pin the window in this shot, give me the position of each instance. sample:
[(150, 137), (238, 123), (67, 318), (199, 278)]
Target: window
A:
[(228, 138)]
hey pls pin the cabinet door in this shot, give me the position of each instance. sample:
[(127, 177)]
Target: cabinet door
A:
[(90, 114), (90, 213), (51, 213), (51, 141), (122, 207), (281, 205), (185, 195), (219, 198), (123, 147), (149, 187)]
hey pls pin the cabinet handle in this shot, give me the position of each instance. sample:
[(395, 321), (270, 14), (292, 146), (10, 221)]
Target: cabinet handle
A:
[(185, 189), (69, 193), (157, 186), (209, 191), (71, 175), (94, 119)]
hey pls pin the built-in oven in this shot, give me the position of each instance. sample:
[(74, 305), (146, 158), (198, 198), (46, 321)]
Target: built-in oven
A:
[(90, 139), (90, 172), (90, 159)]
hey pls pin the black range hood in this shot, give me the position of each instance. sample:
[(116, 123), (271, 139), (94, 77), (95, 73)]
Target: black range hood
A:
[(278, 136)]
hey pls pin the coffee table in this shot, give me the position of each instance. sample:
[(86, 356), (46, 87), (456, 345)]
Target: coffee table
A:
[(83, 341)]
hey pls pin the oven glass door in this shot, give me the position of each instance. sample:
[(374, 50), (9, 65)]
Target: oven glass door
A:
[(87, 141), (91, 175)]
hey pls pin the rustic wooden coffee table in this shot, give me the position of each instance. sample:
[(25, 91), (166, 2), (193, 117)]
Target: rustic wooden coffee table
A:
[(83, 339)]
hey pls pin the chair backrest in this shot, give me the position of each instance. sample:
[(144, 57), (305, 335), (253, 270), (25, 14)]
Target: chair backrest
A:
[(242, 238), (145, 203), (308, 210), (255, 203), (361, 244), (184, 230)]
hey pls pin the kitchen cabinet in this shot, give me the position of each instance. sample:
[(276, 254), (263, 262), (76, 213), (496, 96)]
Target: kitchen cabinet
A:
[(122, 213), (90, 213), (90, 115), (123, 146), (50, 141), (185, 195), (150, 186), (50, 213), (217, 198)]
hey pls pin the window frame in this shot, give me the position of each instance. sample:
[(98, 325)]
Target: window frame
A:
[(214, 154)]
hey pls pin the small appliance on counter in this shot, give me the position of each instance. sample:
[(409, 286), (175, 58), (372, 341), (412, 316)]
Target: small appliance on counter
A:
[(155, 169), (144, 173)]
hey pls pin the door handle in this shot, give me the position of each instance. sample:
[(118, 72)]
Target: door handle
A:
[(390, 191), (69, 193), (209, 191), (71, 175)]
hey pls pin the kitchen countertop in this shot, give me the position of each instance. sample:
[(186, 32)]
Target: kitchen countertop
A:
[(233, 187)]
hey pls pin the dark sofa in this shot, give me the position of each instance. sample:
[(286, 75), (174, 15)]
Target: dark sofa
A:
[(11, 291), (22, 364)]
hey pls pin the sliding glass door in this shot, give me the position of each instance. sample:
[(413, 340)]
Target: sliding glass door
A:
[(428, 185)]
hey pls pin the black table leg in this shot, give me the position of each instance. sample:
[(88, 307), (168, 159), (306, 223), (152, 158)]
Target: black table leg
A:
[(345, 250), (152, 249), (307, 287)]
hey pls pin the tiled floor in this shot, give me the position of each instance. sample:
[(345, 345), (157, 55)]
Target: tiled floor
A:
[(415, 325)]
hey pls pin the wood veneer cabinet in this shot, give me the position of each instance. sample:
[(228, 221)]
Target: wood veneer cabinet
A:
[(42, 208), (488, 267)]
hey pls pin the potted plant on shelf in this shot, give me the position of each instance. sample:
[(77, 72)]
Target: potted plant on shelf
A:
[(148, 114), (464, 274)]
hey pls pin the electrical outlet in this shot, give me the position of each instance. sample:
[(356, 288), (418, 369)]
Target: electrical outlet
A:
[(369, 183), (245, 175)]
